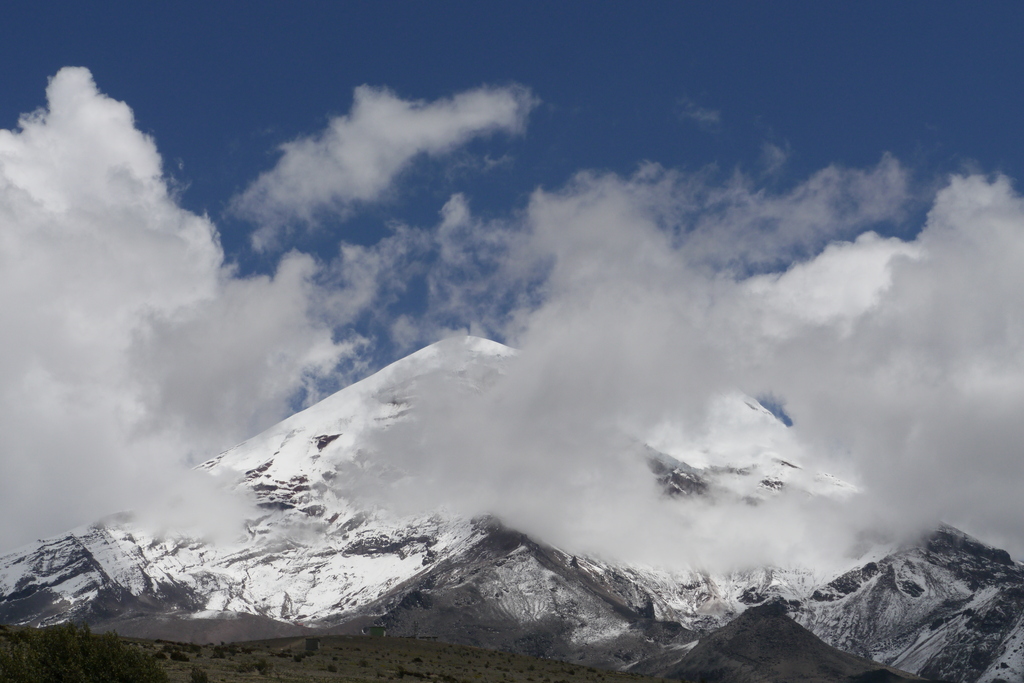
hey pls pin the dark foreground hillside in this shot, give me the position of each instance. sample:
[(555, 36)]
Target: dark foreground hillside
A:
[(763, 644), (351, 659)]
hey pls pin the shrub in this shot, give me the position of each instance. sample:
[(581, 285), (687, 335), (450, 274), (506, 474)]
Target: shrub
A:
[(72, 653), (263, 666), (179, 656), (333, 669), (198, 676)]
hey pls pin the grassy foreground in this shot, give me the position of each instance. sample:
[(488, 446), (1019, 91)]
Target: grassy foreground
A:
[(357, 658)]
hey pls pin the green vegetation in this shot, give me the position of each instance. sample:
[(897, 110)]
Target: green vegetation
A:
[(71, 654), (340, 659)]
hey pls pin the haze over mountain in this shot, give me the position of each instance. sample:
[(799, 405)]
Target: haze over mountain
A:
[(344, 531)]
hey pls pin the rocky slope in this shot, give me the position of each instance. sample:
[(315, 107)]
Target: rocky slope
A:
[(763, 645), (319, 553)]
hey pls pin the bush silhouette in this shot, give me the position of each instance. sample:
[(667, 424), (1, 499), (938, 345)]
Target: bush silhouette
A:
[(72, 653)]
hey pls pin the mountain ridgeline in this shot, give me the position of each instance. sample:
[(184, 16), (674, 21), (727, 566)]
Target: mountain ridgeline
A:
[(317, 556)]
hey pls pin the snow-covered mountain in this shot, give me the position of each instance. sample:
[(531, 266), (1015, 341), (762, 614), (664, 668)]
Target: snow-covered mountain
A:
[(319, 553)]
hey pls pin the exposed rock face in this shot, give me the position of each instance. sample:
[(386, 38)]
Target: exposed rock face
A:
[(948, 608), (92, 575), (510, 593), (317, 556)]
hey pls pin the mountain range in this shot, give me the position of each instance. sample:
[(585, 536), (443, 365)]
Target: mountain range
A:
[(321, 553)]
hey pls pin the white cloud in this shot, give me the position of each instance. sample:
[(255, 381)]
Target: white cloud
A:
[(900, 362), (478, 277), (129, 347), (923, 394), (704, 117), (227, 366), (639, 302), (356, 158), (740, 226), (836, 288), (774, 157)]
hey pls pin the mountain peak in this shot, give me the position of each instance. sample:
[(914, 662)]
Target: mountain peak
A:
[(335, 424)]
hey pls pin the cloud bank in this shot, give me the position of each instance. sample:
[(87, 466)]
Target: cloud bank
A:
[(899, 361), (358, 155), (130, 347), (639, 302)]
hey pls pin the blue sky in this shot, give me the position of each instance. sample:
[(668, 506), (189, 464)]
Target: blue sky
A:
[(689, 86), (236, 207), (220, 85)]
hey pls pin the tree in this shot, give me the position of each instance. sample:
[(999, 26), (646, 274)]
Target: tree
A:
[(72, 654)]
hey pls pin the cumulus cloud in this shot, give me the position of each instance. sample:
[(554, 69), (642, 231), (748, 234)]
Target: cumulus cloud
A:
[(357, 156), (899, 361), (130, 347), (641, 305), (921, 392)]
